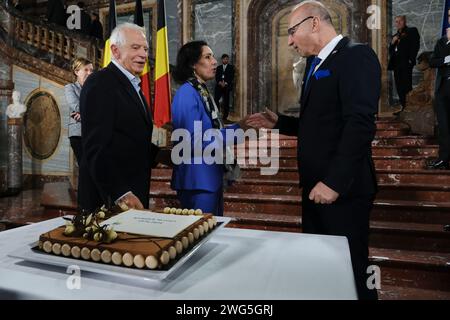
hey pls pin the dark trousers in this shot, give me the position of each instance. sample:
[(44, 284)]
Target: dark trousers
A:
[(225, 94), (442, 109), (403, 82), (347, 217), (209, 202), (75, 143)]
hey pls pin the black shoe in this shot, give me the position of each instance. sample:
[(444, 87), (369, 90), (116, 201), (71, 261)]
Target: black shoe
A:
[(438, 165)]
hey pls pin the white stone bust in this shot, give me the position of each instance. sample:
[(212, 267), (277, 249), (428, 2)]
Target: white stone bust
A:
[(16, 109)]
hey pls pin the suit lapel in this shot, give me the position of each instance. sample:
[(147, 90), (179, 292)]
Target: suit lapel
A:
[(131, 92), (305, 94)]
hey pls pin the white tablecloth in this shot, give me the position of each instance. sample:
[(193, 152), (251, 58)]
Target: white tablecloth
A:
[(233, 264)]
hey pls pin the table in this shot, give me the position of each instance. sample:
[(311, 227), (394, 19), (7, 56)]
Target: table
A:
[(237, 264)]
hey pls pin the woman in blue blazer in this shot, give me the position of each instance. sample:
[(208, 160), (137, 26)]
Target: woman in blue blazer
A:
[(199, 184)]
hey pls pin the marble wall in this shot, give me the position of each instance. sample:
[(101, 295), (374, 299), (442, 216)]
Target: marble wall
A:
[(214, 24), (426, 16), (59, 163), (173, 20)]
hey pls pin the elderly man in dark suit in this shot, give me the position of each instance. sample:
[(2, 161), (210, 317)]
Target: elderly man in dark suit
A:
[(117, 127), (403, 52), (341, 89), (224, 84)]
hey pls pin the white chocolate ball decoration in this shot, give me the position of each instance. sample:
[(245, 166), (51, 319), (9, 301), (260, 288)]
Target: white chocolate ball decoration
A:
[(116, 258), (65, 250), (86, 253), (165, 257), (127, 259), (76, 252), (185, 242), (96, 255), (56, 248), (139, 261), (47, 246), (106, 256), (151, 262), (179, 247)]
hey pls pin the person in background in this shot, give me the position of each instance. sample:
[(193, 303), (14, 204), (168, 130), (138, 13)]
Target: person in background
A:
[(81, 68), (85, 19), (96, 27), (403, 52), (56, 12), (224, 85)]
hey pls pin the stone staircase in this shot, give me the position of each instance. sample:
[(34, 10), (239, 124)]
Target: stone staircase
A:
[(407, 240)]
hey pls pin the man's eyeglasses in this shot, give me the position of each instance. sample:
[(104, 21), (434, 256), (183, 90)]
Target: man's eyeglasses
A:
[(293, 29)]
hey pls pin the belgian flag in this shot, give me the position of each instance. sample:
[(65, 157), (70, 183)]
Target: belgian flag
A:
[(111, 25), (161, 111), (145, 75)]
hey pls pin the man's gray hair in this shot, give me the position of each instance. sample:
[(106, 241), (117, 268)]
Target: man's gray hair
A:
[(315, 8), (117, 35)]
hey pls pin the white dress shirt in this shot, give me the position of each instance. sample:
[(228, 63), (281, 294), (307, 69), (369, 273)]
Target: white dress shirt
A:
[(327, 50)]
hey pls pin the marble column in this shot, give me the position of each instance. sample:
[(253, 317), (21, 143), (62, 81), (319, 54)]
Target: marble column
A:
[(6, 88), (14, 181)]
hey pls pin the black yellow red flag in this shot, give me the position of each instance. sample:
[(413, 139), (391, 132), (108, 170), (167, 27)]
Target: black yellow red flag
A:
[(161, 110)]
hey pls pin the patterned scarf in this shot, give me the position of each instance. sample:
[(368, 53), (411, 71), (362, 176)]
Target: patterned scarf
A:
[(232, 171)]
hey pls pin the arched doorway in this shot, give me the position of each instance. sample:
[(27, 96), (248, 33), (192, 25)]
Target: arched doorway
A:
[(269, 81)]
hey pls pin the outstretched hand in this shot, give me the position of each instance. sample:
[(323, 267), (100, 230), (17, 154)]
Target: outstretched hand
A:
[(266, 119)]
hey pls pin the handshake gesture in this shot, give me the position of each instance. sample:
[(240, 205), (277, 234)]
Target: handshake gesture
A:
[(321, 193), (261, 120)]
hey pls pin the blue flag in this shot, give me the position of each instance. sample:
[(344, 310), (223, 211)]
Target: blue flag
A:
[(446, 21)]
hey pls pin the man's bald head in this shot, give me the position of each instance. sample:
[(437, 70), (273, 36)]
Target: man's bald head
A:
[(310, 28), (315, 9)]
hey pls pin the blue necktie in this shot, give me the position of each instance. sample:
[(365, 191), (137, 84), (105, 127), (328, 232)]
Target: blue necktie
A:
[(314, 64)]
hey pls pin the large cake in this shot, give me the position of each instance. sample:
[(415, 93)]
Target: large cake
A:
[(138, 249)]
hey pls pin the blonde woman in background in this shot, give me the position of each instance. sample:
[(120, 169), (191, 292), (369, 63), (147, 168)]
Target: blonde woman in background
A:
[(81, 68)]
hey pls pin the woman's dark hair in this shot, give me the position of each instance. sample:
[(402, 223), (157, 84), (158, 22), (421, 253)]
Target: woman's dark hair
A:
[(187, 56)]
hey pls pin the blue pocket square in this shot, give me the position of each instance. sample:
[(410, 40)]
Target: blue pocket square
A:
[(322, 74)]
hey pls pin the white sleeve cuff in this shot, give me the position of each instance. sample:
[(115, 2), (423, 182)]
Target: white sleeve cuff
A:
[(120, 198), (447, 59)]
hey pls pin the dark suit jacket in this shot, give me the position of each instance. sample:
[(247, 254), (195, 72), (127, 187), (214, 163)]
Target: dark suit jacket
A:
[(337, 121), (228, 75), (117, 149), (441, 50), (407, 50)]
